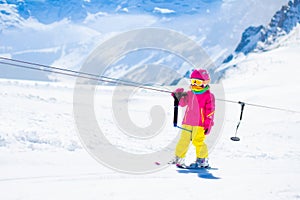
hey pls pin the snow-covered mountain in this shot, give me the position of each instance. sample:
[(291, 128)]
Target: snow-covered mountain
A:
[(77, 10), (260, 38), (64, 33), (9, 16)]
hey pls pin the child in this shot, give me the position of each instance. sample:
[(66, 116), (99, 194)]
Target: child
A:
[(198, 118)]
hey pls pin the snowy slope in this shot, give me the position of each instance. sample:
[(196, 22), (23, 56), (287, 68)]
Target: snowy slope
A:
[(42, 157)]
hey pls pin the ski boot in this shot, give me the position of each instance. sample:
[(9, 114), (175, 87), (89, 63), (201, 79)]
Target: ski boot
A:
[(179, 162), (200, 163)]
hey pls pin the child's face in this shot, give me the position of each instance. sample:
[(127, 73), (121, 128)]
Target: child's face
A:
[(195, 87), (197, 84)]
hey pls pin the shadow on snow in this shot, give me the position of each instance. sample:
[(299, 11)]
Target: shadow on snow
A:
[(202, 173)]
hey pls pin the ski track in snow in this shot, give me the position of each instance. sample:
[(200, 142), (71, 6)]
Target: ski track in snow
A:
[(41, 156)]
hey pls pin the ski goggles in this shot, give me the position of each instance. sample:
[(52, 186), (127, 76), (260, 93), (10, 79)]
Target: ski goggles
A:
[(198, 82)]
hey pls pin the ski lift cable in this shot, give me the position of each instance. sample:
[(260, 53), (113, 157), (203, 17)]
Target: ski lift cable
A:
[(260, 106), (76, 72), (73, 73), (63, 72)]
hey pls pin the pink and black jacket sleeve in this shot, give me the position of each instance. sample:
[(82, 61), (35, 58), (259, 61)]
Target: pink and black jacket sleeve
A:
[(209, 113)]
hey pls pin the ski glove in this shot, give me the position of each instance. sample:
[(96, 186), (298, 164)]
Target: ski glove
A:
[(178, 90), (178, 93), (207, 130)]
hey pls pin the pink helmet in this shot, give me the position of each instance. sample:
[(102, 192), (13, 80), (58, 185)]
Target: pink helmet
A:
[(201, 74)]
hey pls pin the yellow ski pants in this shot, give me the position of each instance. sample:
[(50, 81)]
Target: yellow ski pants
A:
[(197, 137)]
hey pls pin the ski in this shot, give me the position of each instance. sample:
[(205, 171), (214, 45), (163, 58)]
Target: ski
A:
[(196, 168)]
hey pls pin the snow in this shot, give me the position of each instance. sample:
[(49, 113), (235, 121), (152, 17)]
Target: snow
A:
[(163, 10), (42, 156)]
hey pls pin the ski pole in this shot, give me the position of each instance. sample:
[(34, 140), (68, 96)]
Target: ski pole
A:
[(235, 138), (177, 97), (175, 117)]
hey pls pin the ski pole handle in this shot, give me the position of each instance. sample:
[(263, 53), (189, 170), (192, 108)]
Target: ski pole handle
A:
[(175, 118), (177, 96), (242, 109)]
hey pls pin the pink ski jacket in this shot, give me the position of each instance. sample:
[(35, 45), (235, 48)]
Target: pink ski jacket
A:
[(200, 109)]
